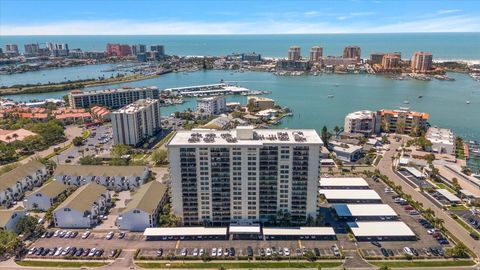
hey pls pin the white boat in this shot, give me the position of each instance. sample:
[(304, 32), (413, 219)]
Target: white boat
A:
[(406, 102), (331, 96), (468, 101)]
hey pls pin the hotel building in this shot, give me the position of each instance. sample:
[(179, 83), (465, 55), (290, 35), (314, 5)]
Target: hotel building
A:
[(316, 54), (363, 122), (376, 58), (136, 122), (352, 52), (118, 50), (294, 53), (112, 98), (211, 105), (403, 121), (244, 175), (391, 61), (422, 61)]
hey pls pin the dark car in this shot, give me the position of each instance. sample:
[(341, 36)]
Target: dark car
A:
[(249, 251), (160, 252), (390, 252), (299, 252), (52, 251), (414, 251), (39, 251), (79, 252), (384, 252), (72, 252), (121, 235), (316, 251), (74, 234), (99, 252), (49, 234), (231, 252), (474, 236), (113, 253), (376, 243), (85, 252), (262, 252), (45, 252)]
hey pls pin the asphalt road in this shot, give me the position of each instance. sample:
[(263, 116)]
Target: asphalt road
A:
[(385, 167)]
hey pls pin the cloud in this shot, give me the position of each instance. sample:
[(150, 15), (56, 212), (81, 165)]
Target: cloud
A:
[(311, 13), (341, 18), (459, 23), (448, 11)]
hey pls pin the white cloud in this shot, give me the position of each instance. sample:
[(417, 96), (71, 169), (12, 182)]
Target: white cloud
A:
[(311, 13), (447, 11), (341, 18), (271, 26)]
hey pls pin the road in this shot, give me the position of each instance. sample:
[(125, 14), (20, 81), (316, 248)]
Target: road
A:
[(385, 167)]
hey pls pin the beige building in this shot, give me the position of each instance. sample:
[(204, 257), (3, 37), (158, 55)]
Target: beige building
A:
[(316, 54), (422, 61), (391, 61), (294, 53), (404, 121), (352, 52), (260, 103)]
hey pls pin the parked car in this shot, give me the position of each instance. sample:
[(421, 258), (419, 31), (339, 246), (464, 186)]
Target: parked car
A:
[(79, 252), (286, 251), (316, 251), (32, 250), (184, 252), (474, 235), (121, 235), (249, 251), (159, 252), (109, 235), (52, 251), (214, 252), (261, 251), (268, 252), (86, 252), (407, 251), (58, 252), (85, 234), (232, 252), (195, 252), (384, 252), (376, 243)]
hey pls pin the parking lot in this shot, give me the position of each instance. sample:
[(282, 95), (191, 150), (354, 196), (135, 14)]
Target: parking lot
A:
[(469, 217)]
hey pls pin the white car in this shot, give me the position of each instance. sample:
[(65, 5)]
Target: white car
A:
[(56, 233), (85, 234), (268, 252), (195, 252), (286, 251), (214, 252), (219, 252), (407, 251), (58, 252), (92, 252), (67, 234), (65, 251), (200, 252), (109, 235), (32, 250), (184, 252)]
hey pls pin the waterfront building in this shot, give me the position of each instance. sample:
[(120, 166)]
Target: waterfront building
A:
[(376, 58), (118, 50), (45, 197), (338, 61), (364, 122), (94, 55), (139, 49), (293, 65), (11, 50), (14, 183), (348, 152), (244, 175), (251, 57), (111, 98), (31, 49), (294, 53), (58, 49), (76, 53), (116, 178), (442, 139), (10, 217), (352, 52), (84, 208), (160, 49), (391, 62), (404, 121), (211, 105), (316, 54), (260, 103), (421, 62), (136, 122), (143, 210)]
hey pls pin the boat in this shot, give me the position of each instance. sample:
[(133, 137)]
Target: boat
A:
[(406, 102), (420, 96), (468, 101), (336, 85), (331, 96)]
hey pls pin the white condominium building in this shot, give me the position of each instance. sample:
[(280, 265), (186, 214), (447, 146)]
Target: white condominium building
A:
[(136, 122), (244, 175), (363, 122), (442, 139), (111, 98), (211, 105)]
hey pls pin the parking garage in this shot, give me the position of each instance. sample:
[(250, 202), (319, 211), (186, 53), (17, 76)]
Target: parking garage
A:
[(381, 231)]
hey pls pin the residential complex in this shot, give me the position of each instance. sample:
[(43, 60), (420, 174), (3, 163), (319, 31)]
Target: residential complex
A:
[(83, 208), (15, 183), (391, 61), (143, 210), (112, 177), (316, 54), (136, 122), (10, 217), (376, 58), (421, 61), (214, 105), (244, 174), (404, 121), (352, 52), (260, 103), (118, 50), (442, 139), (44, 197), (294, 53), (363, 122), (112, 98)]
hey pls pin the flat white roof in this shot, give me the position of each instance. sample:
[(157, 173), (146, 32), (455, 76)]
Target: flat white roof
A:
[(343, 182), (448, 195), (380, 228), (414, 172), (350, 194), (364, 210), (244, 229), (184, 231), (299, 231)]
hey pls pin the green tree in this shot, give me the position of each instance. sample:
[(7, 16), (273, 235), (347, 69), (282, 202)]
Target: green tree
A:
[(325, 136), (119, 150), (77, 141), (159, 157), (9, 242), (90, 160), (26, 225), (310, 256), (459, 251)]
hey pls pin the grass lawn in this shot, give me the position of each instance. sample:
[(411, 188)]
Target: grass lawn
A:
[(443, 186), (458, 207), (231, 265), (77, 264), (426, 263)]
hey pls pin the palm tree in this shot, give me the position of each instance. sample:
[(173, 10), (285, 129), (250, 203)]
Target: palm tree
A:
[(14, 136), (8, 138)]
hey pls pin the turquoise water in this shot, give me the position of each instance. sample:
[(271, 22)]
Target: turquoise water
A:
[(307, 96), (442, 45)]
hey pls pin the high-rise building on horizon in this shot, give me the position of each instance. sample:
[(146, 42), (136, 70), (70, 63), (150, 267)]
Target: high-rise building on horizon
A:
[(31, 49), (376, 58), (421, 61), (244, 175), (160, 49), (139, 49), (294, 53), (118, 50), (316, 54), (136, 122), (11, 49), (352, 52), (391, 61)]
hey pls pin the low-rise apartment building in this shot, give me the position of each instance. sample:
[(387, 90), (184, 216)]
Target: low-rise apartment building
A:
[(44, 197), (363, 122), (15, 183), (112, 177), (111, 98), (211, 105), (83, 208), (260, 103), (404, 121), (442, 139), (144, 209), (10, 217), (244, 175)]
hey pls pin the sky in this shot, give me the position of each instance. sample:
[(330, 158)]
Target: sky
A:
[(150, 17)]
